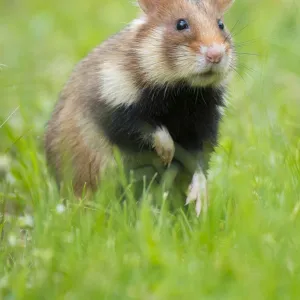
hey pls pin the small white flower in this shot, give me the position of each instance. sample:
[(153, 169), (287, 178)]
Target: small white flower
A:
[(12, 240), (60, 208), (26, 221)]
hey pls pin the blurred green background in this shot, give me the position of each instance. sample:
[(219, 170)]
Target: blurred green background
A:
[(247, 247)]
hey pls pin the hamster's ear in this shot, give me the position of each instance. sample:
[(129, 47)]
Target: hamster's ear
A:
[(147, 5), (224, 5)]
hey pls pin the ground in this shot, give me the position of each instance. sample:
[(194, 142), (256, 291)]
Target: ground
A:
[(246, 247)]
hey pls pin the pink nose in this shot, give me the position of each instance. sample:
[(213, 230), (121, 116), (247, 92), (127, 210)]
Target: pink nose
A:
[(214, 55)]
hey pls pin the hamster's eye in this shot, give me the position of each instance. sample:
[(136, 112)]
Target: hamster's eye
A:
[(221, 24), (182, 24)]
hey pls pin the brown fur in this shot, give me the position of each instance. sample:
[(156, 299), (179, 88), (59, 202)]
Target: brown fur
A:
[(72, 141)]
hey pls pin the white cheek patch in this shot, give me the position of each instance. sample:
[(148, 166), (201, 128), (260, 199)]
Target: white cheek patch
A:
[(186, 62), (151, 58), (117, 86)]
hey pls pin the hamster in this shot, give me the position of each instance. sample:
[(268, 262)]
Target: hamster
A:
[(155, 87)]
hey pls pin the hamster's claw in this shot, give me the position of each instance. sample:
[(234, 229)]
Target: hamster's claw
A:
[(198, 193), (164, 146)]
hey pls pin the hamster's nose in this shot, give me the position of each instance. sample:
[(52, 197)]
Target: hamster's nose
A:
[(214, 54)]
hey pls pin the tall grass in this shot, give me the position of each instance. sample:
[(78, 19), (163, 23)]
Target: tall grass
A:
[(247, 246)]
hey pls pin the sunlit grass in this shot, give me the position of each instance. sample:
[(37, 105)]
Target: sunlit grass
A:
[(247, 246)]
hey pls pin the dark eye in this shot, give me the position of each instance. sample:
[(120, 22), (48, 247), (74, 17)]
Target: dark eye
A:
[(221, 24), (182, 25)]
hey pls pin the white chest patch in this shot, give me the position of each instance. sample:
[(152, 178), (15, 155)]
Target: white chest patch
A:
[(117, 86)]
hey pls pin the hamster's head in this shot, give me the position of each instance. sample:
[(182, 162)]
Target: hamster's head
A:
[(184, 40)]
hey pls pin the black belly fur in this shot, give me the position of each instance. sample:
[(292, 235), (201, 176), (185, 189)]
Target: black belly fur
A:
[(190, 114)]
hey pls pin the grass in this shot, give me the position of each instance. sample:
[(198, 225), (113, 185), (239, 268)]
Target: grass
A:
[(247, 246)]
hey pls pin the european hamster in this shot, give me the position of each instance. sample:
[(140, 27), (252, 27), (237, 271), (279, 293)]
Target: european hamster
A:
[(157, 85)]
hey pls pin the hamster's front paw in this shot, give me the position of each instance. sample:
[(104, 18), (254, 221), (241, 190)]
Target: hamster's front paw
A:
[(198, 192), (164, 145)]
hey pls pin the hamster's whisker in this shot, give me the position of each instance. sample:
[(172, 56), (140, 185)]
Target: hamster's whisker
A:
[(240, 31), (248, 71), (241, 44), (232, 30), (247, 53), (237, 72), (247, 68)]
